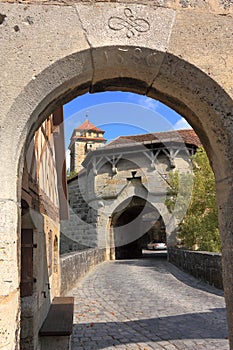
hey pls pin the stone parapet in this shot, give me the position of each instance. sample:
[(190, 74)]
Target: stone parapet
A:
[(77, 264), (205, 266), (181, 56)]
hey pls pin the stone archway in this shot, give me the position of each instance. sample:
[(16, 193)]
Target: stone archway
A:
[(90, 52), (131, 222), (134, 196)]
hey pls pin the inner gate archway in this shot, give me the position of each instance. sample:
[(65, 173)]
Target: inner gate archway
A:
[(133, 224), (80, 48), (124, 225)]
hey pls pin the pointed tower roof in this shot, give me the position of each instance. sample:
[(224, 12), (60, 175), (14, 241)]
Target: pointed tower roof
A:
[(79, 133), (87, 125)]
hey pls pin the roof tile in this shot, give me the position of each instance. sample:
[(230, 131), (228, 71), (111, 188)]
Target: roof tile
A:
[(187, 135), (87, 125)]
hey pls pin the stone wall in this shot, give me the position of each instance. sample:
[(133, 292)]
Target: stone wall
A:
[(77, 264), (201, 6), (79, 232), (205, 266), (184, 60)]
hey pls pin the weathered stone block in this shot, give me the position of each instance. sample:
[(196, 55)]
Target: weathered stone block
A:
[(131, 30), (202, 265), (75, 265), (203, 32), (9, 277), (9, 320)]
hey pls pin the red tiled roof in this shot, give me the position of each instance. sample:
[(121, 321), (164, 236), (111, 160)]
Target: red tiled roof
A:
[(87, 125), (187, 135), (88, 138)]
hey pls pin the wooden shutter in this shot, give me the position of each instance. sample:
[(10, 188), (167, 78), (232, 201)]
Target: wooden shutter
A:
[(26, 285)]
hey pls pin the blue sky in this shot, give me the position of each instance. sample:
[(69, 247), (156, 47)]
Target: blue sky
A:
[(120, 113)]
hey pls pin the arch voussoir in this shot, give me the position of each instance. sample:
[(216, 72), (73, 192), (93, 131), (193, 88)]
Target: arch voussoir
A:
[(83, 48)]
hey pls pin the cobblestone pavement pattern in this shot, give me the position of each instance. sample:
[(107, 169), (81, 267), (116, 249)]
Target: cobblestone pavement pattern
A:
[(147, 304)]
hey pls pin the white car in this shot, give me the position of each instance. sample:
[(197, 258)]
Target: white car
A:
[(155, 245)]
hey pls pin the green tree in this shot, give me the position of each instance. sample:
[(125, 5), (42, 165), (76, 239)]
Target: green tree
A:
[(199, 228), (70, 174)]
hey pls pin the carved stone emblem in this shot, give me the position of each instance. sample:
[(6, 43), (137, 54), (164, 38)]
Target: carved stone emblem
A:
[(129, 22)]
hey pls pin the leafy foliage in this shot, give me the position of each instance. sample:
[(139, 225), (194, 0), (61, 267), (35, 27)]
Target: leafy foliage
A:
[(179, 193), (70, 174), (199, 228)]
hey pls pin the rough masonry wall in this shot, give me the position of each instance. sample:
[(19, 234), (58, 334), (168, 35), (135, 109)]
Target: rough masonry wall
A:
[(205, 266), (208, 6), (79, 155), (79, 231), (77, 264), (185, 60)]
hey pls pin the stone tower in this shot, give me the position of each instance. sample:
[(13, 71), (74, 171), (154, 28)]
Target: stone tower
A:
[(85, 138)]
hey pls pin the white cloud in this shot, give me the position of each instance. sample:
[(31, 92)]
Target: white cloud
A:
[(148, 102), (182, 124), (68, 159)]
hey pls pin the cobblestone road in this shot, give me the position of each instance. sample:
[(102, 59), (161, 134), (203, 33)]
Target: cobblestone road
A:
[(147, 304)]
